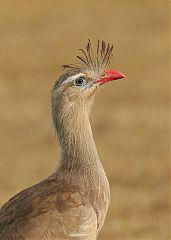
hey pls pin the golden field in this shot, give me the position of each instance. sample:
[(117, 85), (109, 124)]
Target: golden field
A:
[(130, 119)]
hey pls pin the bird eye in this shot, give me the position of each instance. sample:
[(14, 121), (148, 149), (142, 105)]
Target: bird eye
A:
[(79, 81)]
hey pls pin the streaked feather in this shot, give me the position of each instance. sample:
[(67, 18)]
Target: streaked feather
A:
[(93, 59)]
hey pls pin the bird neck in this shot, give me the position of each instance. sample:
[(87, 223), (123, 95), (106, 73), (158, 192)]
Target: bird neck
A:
[(79, 163), (78, 149)]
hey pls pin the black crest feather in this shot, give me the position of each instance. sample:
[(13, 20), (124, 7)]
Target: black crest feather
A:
[(95, 60)]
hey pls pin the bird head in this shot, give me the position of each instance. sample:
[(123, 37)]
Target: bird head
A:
[(75, 90)]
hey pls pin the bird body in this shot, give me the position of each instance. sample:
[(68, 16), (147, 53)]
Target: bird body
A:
[(72, 203), (52, 209)]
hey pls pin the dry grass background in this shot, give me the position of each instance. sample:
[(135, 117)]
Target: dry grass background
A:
[(130, 118)]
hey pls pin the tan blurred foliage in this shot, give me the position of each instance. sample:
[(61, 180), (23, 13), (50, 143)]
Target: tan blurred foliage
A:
[(130, 119)]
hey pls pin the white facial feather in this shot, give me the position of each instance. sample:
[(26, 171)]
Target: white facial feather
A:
[(74, 77)]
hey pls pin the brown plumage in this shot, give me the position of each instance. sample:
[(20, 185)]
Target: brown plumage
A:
[(72, 203)]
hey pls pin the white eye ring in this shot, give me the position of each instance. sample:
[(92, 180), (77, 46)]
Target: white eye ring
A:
[(79, 81)]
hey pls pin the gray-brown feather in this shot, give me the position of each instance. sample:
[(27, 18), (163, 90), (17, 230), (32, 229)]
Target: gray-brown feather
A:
[(49, 210), (72, 203)]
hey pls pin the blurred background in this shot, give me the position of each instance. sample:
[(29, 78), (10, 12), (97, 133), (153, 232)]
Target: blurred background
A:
[(130, 119)]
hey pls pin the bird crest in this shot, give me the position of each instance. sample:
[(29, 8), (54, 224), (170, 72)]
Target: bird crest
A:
[(93, 60)]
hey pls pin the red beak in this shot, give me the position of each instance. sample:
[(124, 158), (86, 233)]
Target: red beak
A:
[(110, 75)]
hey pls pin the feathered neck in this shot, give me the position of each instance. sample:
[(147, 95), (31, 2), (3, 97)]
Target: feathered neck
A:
[(78, 150)]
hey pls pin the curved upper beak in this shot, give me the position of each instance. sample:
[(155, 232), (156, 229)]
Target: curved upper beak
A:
[(110, 75)]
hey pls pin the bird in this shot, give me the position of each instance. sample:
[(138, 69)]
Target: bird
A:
[(72, 202)]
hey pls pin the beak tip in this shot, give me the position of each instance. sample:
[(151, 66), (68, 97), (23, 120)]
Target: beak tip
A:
[(125, 77)]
